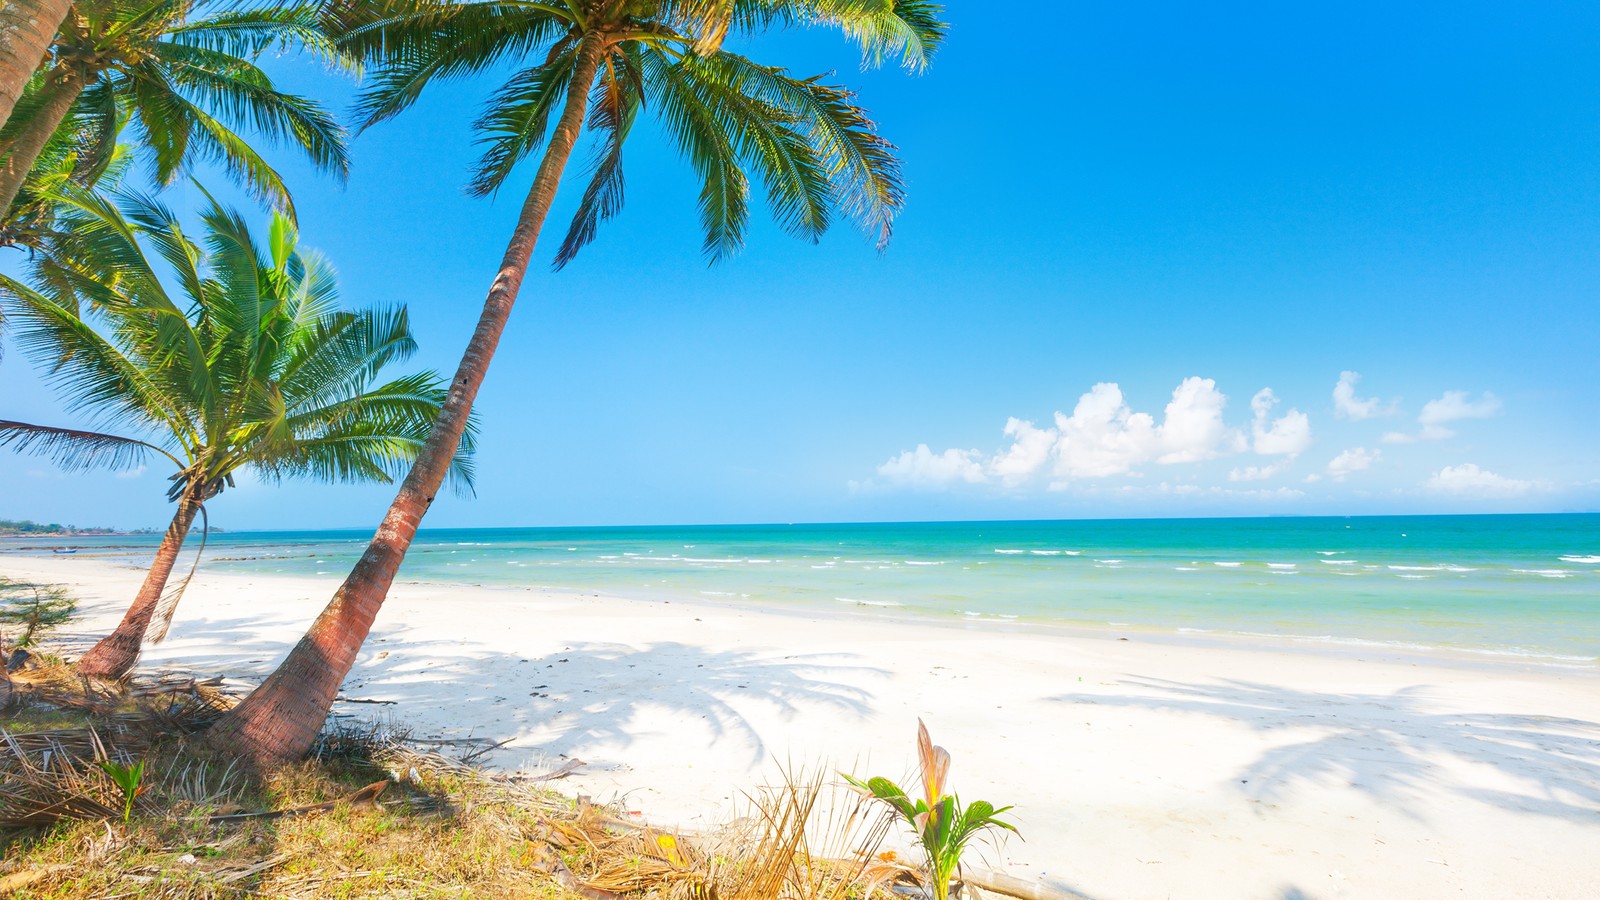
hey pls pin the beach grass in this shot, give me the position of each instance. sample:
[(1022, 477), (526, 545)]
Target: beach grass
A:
[(368, 815)]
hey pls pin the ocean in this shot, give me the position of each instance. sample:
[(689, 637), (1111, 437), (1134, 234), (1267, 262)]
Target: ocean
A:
[(1507, 585)]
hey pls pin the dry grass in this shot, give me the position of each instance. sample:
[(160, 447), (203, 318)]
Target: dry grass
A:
[(371, 816)]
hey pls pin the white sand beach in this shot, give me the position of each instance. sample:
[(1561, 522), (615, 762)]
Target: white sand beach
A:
[(1140, 767)]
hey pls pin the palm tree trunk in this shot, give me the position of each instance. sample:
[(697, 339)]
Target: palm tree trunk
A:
[(280, 719), (114, 656), (61, 90), (27, 27)]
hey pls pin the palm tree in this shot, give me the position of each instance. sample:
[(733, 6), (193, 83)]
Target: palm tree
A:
[(815, 150), (250, 365), (183, 77), (26, 29), (82, 151)]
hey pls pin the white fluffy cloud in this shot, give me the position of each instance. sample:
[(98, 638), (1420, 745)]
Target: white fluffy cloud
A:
[(1030, 450), (1437, 414), (1193, 429), (924, 468), (1356, 459), (1468, 480), (1288, 436), (1102, 437), (1346, 405)]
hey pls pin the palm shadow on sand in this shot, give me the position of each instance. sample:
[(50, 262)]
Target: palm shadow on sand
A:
[(582, 697), (1390, 745)]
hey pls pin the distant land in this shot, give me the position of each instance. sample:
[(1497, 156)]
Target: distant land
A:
[(27, 528)]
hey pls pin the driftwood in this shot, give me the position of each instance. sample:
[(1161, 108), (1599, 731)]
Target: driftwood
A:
[(1001, 883), (567, 768)]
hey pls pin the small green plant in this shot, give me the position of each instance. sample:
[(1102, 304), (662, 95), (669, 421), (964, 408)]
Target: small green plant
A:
[(35, 608), (129, 777), (941, 824)]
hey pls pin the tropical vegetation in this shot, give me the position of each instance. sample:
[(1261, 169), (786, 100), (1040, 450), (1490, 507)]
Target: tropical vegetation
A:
[(221, 350), (595, 64), (943, 826), (184, 79), (218, 352)]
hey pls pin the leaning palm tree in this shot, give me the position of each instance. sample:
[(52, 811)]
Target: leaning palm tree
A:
[(603, 61), (232, 355), (188, 80), (26, 29)]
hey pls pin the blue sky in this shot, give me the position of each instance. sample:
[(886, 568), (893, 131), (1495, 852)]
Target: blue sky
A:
[(1129, 208)]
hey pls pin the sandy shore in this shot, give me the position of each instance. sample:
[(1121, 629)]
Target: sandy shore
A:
[(1142, 767)]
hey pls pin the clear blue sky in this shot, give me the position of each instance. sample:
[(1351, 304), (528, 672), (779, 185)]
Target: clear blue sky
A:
[(1206, 199)]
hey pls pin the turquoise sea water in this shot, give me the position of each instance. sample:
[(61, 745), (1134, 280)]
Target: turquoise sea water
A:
[(1526, 585)]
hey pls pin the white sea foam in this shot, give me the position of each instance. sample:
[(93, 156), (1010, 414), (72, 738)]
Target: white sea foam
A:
[(867, 602), (1586, 560), (1329, 552), (1282, 565), (1283, 571), (1339, 562), (1417, 568), (1417, 577), (1545, 573), (1109, 562), (1228, 565), (1185, 568), (1459, 569), (920, 562), (1045, 552), (1008, 552)]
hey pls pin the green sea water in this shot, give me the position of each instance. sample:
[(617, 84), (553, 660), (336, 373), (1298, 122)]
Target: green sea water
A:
[(1515, 585)]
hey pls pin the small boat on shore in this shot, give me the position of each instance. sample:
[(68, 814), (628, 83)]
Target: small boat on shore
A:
[(63, 551)]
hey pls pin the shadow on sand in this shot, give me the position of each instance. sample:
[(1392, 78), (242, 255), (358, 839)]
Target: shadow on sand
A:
[(1388, 745), (582, 697)]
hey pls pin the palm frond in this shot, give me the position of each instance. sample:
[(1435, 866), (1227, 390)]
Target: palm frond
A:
[(517, 119), (418, 44), (702, 139), (75, 449)]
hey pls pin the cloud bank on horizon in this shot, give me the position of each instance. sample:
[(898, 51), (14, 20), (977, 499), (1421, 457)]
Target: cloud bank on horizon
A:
[(1104, 444)]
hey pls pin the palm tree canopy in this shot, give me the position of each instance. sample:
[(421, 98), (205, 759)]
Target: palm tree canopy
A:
[(183, 75), (83, 151), (219, 352), (816, 152)]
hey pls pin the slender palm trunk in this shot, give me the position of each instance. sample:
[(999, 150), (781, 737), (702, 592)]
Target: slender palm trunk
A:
[(27, 27), (61, 90), (281, 718), (114, 656)]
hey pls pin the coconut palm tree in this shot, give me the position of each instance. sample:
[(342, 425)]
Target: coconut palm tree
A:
[(600, 61), (26, 30), (216, 355), (187, 80), (82, 151)]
